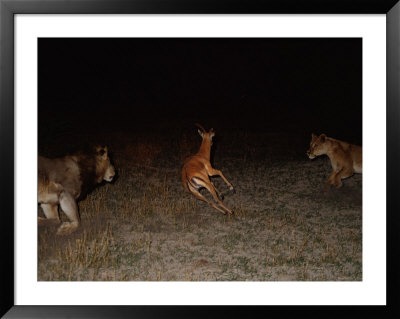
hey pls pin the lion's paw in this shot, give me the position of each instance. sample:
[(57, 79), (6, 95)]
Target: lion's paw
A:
[(67, 228)]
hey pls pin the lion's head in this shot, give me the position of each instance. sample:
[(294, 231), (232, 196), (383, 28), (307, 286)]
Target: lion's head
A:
[(318, 146), (104, 169)]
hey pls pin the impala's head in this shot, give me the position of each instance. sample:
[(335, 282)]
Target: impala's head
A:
[(318, 146), (204, 134)]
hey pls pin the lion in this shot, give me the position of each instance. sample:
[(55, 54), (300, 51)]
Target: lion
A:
[(346, 158), (62, 181)]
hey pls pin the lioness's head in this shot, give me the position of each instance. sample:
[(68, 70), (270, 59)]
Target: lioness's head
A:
[(104, 169), (318, 146)]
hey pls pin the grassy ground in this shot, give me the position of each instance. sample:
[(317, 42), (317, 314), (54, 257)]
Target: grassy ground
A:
[(144, 226)]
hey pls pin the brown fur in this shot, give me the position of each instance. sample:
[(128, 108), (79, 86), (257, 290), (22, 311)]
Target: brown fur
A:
[(197, 169), (48, 191), (61, 181), (346, 158)]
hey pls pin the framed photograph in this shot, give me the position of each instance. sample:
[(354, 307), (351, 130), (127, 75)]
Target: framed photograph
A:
[(181, 159)]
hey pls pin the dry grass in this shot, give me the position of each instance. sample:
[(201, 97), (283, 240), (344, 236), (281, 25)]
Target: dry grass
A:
[(144, 227)]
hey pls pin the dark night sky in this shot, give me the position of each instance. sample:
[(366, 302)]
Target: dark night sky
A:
[(263, 84)]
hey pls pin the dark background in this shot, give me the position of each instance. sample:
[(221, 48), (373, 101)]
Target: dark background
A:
[(254, 84)]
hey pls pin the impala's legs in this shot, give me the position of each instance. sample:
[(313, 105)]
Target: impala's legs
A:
[(197, 194), (218, 192), (211, 189), (212, 172)]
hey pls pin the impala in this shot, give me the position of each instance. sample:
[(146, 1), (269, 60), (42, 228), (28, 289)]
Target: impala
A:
[(197, 169)]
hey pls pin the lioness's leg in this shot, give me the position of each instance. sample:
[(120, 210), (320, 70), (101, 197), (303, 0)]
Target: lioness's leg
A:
[(335, 177), (344, 173), (338, 181), (331, 179), (70, 208)]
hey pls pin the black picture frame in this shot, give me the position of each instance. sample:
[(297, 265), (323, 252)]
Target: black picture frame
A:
[(8, 10)]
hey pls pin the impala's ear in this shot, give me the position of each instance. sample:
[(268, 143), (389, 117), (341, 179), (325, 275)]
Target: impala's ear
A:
[(200, 132)]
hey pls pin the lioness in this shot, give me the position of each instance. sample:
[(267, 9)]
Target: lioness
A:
[(346, 159), (61, 181)]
